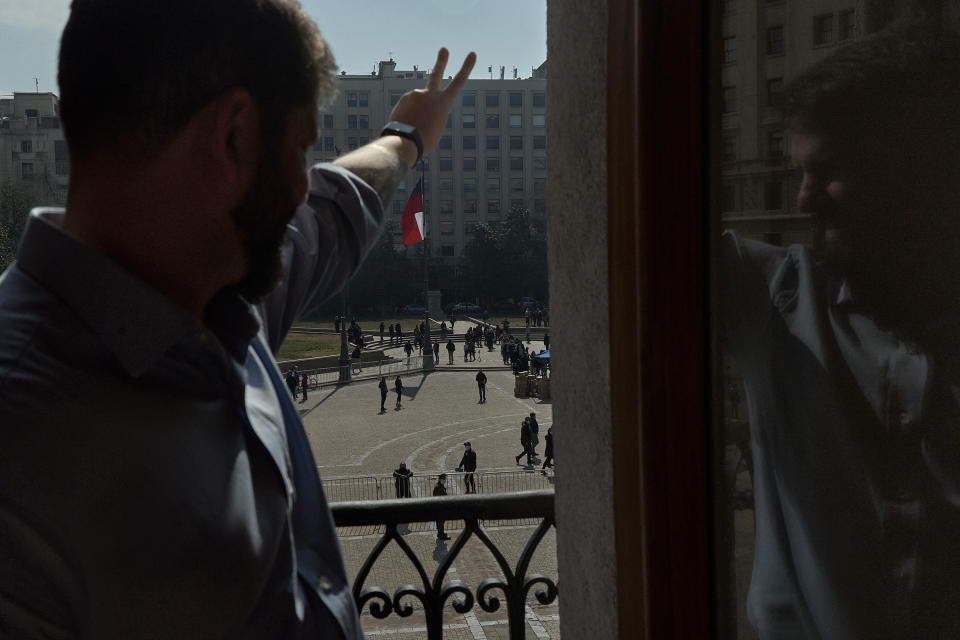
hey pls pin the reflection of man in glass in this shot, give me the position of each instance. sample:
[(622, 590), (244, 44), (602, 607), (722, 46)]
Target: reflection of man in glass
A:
[(850, 353)]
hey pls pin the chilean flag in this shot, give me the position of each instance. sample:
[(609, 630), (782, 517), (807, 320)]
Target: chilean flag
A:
[(411, 223)]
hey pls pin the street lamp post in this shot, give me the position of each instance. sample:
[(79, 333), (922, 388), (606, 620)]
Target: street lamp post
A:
[(428, 362), (344, 347)]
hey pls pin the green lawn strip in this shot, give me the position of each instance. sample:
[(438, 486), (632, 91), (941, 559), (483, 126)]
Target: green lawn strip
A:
[(301, 345)]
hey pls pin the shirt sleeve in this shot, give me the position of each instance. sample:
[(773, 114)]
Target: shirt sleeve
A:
[(39, 595), (744, 291), (325, 244)]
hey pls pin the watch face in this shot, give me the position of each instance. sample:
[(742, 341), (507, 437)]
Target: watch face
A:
[(399, 126)]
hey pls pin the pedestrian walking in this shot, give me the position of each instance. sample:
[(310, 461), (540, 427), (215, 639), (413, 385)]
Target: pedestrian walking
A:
[(525, 441), (383, 393), (401, 480), (534, 433), (336, 323), (450, 349), (357, 358), (408, 349), (469, 465), (398, 387), (482, 385), (441, 490), (391, 333), (443, 331), (304, 384), (548, 453), (381, 331), (436, 351), (546, 341)]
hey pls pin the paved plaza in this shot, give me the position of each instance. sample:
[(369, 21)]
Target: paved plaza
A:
[(357, 447)]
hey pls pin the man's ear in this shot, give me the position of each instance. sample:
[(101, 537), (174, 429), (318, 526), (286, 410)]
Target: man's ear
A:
[(236, 137)]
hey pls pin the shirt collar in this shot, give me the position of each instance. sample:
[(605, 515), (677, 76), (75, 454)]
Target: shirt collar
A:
[(135, 321)]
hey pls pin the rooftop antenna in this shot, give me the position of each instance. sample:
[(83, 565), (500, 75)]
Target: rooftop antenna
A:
[(514, 73), (391, 56), (36, 83)]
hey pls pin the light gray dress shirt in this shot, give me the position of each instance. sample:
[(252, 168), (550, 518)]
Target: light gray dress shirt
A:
[(856, 448), (149, 487)]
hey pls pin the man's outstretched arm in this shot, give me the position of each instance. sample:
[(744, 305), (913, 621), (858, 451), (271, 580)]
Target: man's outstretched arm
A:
[(342, 219)]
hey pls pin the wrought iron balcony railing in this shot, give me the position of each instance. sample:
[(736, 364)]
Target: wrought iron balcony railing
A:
[(433, 592)]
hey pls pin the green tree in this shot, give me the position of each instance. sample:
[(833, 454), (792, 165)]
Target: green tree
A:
[(507, 258), (15, 204)]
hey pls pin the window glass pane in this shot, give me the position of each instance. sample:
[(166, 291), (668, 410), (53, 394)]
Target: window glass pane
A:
[(493, 163), (469, 121), (729, 50), (493, 121), (328, 121), (516, 99), (493, 142), (469, 163), (539, 99), (539, 120), (468, 98), (492, 99), (445, 163), (446, 142), (516, 122), (775, 40), (833, 197), (516, 142), (516, 163), (540, 163), (493, 184), (539, 142), (469, 142)]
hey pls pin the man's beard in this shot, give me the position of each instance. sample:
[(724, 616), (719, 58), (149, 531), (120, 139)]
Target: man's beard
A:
[(262, 219)]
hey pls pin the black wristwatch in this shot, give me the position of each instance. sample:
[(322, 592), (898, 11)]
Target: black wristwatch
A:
[(394, 128)]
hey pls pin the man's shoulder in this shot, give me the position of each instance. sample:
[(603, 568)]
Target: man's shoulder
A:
[(41, 336)]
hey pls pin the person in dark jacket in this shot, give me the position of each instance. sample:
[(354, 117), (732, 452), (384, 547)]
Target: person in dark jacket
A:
[(408, 349), (548, 453), (441, 490), (469, 464), (383, 393), (450, 349), (398, 387), (401, 480), (534, 433), (525, 441), (482, 385), (382, 327)]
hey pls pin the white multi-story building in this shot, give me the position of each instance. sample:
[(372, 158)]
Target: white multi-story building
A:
[(492, 155), (33, 153)]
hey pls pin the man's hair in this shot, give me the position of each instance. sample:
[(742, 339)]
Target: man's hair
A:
[(136, 71), (903, 82)]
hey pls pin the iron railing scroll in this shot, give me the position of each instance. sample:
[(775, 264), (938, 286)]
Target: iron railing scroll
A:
[(433, 593)]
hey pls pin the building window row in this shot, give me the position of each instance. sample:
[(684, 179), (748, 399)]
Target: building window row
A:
[(492, 99), (358, 99)]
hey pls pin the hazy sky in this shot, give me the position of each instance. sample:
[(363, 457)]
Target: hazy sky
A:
[(512, 33)]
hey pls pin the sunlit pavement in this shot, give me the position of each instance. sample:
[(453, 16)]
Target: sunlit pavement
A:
[(351, 437)]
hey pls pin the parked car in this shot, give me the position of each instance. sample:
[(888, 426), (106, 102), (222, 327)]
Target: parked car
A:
[(529, 303), (413, 309)]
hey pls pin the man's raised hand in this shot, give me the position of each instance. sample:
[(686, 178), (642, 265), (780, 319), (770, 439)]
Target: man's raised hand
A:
[(427, 109)]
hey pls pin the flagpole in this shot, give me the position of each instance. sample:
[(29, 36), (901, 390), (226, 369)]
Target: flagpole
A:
[(428, 363)]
